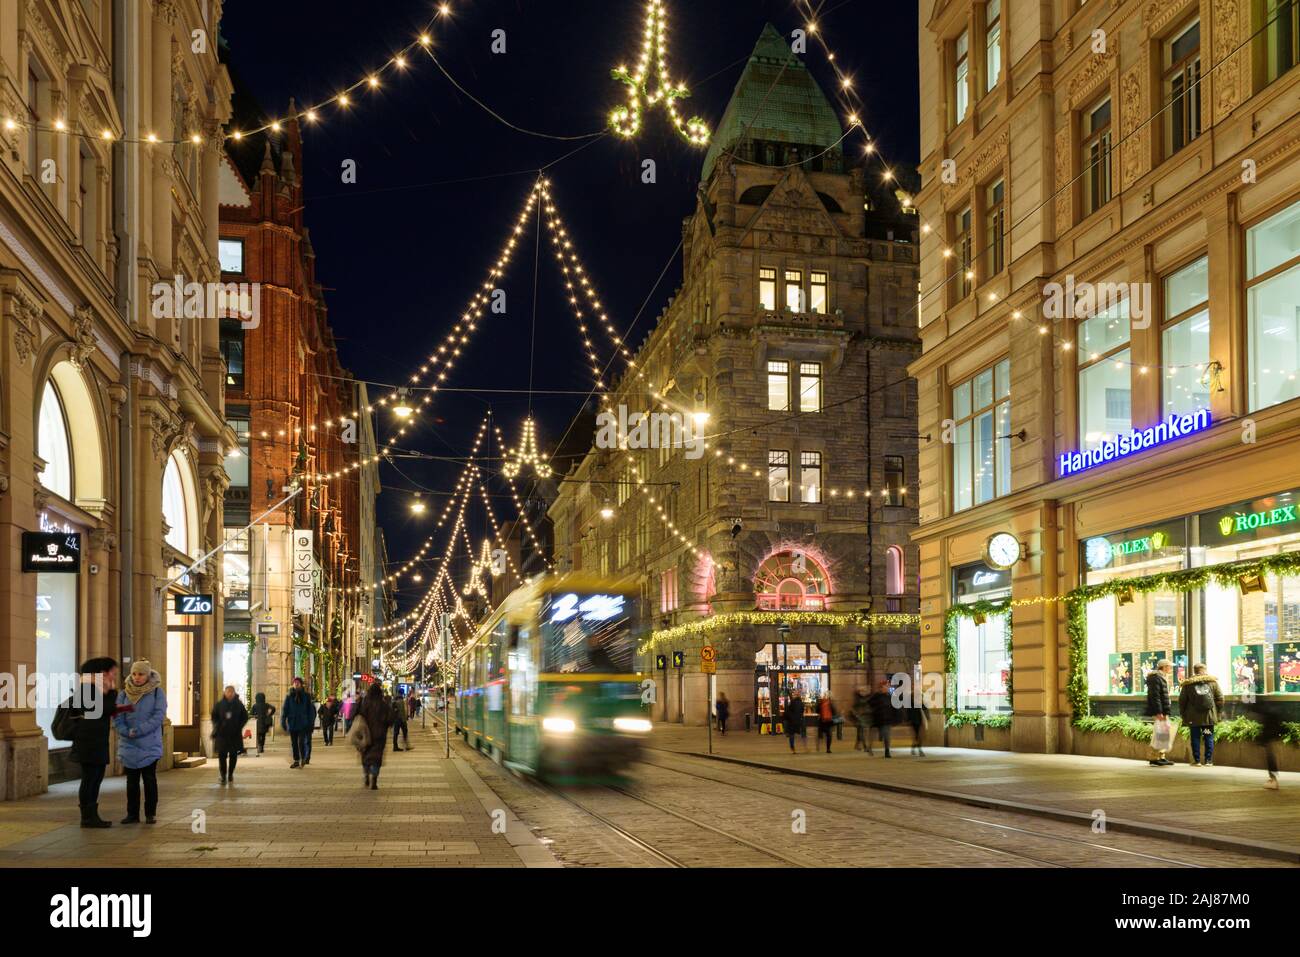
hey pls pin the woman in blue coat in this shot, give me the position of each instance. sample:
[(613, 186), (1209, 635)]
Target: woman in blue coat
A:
[(141, 710)]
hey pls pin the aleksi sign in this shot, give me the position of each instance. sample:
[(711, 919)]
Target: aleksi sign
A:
[(304, 590), (1175, 427), (51, 552)]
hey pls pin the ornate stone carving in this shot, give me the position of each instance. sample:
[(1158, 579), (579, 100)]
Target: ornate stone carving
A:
[(1160, 12), (165, 10), (1063, 186), (1090, 76), (103, 540), (994, 153), (1134, 151), (83, 336), (1227, 32), (26, 314)]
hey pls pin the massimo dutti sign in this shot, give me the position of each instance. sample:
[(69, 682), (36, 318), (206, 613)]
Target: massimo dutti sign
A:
[(51, 551)]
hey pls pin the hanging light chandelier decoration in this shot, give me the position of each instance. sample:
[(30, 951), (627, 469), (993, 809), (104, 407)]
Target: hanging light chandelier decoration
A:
[(626, 120), (525, 454)]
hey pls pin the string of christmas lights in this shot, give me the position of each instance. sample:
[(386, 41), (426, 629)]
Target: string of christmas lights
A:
[(626, 120)]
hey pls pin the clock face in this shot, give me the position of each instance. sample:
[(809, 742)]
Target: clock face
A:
[(1003, 550)]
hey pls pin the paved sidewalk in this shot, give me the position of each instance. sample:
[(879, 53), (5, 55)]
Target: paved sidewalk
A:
[(1217, 807), (427, 812)]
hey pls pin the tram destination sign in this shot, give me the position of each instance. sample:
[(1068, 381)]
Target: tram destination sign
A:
[(51, 551), (1135, 440)]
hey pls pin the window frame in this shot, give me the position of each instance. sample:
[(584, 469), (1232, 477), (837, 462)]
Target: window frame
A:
[(895, 493), (963, 222), (813, 372), (1167, 322), (1097, 173), (1094, 360), (776, 374), (825, 286), (792, 281), (1249, 283), (242, 249), (1001, 446), (776, 465), (995, 221), (992, 44), (812, 460), (1190, 96), (961, 77)]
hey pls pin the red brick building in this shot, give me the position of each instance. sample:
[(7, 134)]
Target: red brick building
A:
[(294, 408)]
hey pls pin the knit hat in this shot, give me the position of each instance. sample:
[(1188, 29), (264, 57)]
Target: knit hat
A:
[(141, 667)]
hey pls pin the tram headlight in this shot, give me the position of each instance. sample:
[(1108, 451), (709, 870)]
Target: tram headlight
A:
[(556, 725), (635, 725)]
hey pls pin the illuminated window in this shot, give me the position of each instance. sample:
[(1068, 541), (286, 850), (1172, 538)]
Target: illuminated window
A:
[(793, 580), (810, 387), (767, 288), (668, 590), (175, 513), (817, 283), (1105, 377), (992, 43), (1185, 339), (895, 480), (778, 476), (794, 290), (963, 259), (961, 76), (981, 451), (1277, 39), (1272, 321), (810, 477), (230, 253), (52, 444), (778, 385)]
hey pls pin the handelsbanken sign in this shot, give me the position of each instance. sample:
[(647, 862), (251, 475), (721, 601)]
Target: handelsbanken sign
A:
[(1175, 427)]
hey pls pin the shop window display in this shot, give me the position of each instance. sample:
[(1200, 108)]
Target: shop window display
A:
[(983, 659), (780, 669)]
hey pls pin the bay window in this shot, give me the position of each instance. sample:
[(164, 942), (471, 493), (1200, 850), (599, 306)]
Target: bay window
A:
[(981, 458)]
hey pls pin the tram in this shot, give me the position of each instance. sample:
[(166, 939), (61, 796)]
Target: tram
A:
[(548, 687)]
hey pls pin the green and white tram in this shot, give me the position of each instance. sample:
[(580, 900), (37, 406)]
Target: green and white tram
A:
[(548, 684)]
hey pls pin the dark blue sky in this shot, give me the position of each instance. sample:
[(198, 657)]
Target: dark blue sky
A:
[(401, 251)]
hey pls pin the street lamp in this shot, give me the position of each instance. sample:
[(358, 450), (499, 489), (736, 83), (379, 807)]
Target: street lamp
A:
[(417, 505), (402, 409)]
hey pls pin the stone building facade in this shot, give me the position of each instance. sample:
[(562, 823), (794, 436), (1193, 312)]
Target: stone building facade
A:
[(112, 437), (1150, 150), (787, 346), (300, 415)]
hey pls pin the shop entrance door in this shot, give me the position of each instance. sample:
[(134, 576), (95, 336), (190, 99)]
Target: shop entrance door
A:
[(184, 684)]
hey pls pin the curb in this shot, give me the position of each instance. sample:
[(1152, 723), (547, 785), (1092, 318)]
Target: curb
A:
[(1264, 849)]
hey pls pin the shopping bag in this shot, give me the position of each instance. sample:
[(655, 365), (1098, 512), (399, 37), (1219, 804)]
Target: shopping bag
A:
[(359, 736), (1162, 735)]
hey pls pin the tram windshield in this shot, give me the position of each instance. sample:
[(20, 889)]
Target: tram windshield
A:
[(588, 632)]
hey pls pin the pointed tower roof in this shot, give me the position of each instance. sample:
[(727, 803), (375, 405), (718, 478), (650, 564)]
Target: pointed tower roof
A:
[(795, 111)]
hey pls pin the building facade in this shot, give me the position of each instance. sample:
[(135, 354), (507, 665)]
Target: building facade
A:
[(1110, 266), (299, 593), (112, 439), (786, 347)]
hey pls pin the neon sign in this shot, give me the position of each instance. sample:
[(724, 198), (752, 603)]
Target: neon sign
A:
[(592, 608), (1248, 522), (1136, 440), (1100, 551)]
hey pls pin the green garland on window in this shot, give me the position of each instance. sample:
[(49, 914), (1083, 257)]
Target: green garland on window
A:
[(1189, 579), (961, 719), (988, 609)]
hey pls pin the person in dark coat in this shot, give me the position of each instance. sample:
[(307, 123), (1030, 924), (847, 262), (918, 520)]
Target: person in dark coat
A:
[(861, 712), (328, 713), (399, 722), (90, 711), (826, 715), (228, 719), (1200, 702), (794, 719), (1270, 735), (377, 714), (1158, 707), (298, 717), (918, 716), (883, 715), (264, 713), (723, 707)]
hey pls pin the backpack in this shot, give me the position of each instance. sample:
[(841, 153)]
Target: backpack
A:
[(64, 725), (1203, 689)]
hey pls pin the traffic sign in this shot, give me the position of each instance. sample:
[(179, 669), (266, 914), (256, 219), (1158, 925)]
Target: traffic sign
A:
[(707, 653), (708, 667)]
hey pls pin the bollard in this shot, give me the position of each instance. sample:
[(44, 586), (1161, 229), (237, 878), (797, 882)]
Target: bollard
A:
[(748, 720)]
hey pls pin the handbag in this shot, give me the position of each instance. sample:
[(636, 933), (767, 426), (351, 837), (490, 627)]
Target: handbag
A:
[(359, 736), (1162, 734)]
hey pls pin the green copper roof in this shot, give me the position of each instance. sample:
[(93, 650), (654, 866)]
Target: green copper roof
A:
[(795, 111)]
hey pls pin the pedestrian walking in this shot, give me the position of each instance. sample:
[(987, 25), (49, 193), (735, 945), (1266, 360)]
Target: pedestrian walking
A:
[(723, 708), (918, 716), (228, 719), (794, 719), (861, 713), (297, 717), (1158, 709), (328, 714), (86, 719), (264, 714), (399, 722), (1200, 702), (1270, 735), (826, 714), (349, 711), (412, 705), (883, 715), (142, 708), (375, 714)]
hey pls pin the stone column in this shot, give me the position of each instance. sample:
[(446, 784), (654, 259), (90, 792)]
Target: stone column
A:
[(24, 768)]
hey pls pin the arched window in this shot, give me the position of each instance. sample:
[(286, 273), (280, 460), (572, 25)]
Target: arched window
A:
[(175, 514), (52, 444), (894, 570), (793, 580)]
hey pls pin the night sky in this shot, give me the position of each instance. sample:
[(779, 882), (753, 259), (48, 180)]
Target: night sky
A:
[(401, 251)]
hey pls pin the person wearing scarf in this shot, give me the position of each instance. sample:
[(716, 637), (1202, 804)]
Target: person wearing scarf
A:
[(142, 708)]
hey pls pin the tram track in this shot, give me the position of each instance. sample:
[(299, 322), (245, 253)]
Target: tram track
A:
[(877, 800)]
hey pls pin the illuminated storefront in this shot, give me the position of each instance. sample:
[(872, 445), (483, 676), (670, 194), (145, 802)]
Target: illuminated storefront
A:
[(1246, 633), (983, 642), (782, 669)]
